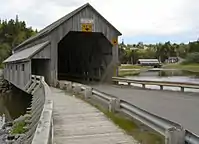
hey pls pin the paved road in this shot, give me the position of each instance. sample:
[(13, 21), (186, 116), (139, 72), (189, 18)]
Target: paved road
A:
[(179, 107), (77, 122)]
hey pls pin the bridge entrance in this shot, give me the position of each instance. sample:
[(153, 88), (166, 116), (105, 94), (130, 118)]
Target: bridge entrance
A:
[(40, 67), (83, 56)]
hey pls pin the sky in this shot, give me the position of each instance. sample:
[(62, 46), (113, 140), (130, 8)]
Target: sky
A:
[(148, 21)]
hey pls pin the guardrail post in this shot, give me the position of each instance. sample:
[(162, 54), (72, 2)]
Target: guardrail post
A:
[(68, 86), (114, 105), (182, 89), (161, 87), (115, 82), (143, 86), (175, 136), (77, 88), (61, 85), (88, 92), (129, 83)]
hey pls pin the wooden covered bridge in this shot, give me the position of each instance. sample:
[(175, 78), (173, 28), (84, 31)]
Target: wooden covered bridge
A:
[(81, 45)]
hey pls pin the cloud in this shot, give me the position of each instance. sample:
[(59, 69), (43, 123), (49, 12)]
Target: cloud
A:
[(131, 17)]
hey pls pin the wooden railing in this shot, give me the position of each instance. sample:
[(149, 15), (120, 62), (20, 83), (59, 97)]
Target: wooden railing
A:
[(182, 85)]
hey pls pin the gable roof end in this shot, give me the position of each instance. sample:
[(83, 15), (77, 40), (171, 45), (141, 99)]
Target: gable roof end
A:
[(57, 23)]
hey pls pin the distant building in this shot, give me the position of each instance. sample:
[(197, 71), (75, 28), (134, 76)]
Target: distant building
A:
[(149, 62)]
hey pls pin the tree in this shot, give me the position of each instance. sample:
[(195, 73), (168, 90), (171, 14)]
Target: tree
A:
[(12, 33)]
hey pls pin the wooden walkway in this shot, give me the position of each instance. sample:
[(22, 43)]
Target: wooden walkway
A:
[(77, 122)]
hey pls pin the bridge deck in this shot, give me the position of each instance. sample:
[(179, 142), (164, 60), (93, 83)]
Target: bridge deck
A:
[(77, 122), (179, 107)]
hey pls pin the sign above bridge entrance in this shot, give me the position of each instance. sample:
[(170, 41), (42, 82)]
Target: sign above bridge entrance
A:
[(87, 21), (87, 27), (87, 24)]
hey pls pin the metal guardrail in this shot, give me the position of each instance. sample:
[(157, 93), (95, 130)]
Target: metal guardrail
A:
[(173, 132), (182, 85), (191, 138)]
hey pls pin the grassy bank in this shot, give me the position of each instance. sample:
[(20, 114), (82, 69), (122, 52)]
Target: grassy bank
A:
[(1, 66), (131, 70), (187, 67), (18, 128), (137, 130), (129, 66), (128, 73)]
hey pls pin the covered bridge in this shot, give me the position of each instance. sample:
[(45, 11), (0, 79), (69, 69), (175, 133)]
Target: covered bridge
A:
[(81, 45), (149, 62)]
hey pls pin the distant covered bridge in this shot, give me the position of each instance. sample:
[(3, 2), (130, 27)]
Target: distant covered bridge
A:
[(149, 62), (82, 44)]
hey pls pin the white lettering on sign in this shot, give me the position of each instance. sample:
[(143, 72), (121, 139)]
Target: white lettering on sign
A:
[(87, 21)]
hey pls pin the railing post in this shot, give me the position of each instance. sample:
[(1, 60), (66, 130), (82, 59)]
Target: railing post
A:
[(114, 105), (175, 136), (129, 83), (143, 86), (182, 89), (161, 87), (88, 92), (115, 82), (68, 86), (77, 88)]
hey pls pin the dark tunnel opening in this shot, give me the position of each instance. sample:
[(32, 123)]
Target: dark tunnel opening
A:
[(83, 56)]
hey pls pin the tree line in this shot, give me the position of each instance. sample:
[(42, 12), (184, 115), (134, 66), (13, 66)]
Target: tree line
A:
[(12, 33), (161, 51)]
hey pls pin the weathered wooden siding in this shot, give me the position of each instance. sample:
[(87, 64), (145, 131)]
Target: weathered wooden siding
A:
[(73, 24), (43, 54), (15, 74)]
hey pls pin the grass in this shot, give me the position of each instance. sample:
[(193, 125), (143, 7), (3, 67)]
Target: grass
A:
[(128, 73), (129, 66), (1, 66), (187, 67), (132, 127), (18, 128)]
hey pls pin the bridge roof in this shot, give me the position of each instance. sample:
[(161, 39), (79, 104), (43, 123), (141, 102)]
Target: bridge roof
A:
[(148, 60), (26, 53), (57, 23)]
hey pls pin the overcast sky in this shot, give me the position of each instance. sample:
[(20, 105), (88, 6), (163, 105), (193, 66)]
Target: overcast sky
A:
[(149, 21)]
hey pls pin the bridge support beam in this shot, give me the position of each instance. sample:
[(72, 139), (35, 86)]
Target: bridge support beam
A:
[(175, 136)]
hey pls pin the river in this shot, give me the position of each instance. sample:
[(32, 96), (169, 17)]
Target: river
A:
[(167, 75), (14, 103)]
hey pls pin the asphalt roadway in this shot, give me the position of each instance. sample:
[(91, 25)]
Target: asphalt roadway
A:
[(182, 108)]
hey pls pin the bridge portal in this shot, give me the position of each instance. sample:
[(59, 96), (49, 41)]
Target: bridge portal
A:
[(83, 56)]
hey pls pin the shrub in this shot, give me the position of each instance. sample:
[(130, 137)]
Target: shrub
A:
[(192, 58)]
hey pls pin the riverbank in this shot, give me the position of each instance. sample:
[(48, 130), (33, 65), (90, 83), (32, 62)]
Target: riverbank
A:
[(186, 67), (123, 73), (130, 66), (131, 70)]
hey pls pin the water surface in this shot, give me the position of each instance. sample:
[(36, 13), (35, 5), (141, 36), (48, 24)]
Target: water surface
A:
[(14, 104), (168, 75)]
